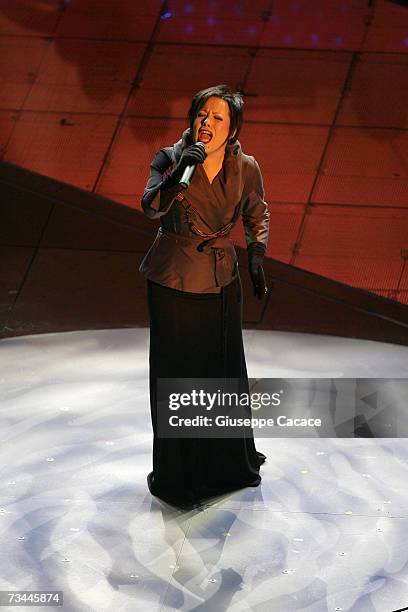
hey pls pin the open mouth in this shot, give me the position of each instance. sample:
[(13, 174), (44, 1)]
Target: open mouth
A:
[(204, 135)]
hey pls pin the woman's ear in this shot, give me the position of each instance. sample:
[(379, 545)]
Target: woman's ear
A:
[(231, 138)]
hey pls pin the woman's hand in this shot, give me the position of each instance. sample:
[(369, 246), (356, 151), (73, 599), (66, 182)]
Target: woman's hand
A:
[(256, 253), (191, 156)]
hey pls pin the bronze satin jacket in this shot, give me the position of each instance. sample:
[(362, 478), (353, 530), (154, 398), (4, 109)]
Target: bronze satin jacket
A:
[(192, 250)]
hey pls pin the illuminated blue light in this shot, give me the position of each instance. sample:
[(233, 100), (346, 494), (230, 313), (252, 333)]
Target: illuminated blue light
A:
[(252, 30), (188, 8), (189, 28), (166, 15), (211, 21), (338, 40), (406, 41), (315, 38)]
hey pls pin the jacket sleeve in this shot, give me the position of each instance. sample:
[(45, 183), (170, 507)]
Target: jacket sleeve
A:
[(255, 214), (160, 191)]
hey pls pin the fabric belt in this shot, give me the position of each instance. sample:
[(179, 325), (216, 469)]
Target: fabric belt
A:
[(224, 267), (203, 246)]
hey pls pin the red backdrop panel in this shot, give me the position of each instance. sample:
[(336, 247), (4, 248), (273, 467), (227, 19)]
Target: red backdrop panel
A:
[(378, 92), (316, 25), (67, 147), (388, 31), (295, 86), (122, 20), (25, 16), (20, 58), (85, 75), (334, 245), (365, 166)]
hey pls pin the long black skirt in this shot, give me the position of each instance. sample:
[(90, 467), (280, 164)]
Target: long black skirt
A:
[(197, 335)]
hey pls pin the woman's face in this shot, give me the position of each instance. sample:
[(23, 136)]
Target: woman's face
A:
[(212, 124)]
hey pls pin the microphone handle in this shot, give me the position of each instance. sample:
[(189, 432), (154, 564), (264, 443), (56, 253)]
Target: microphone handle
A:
[(187, 176)]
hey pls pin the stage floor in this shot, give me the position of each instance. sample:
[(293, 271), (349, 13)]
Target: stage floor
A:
[(327, 530)]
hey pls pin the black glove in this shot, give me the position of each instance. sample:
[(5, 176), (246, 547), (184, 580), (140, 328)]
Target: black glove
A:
[(256, 252), (194, 154), (191, 156)]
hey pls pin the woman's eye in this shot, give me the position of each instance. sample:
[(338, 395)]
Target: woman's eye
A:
[(202, 114)]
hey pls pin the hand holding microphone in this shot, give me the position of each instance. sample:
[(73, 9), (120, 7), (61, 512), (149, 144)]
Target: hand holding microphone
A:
[(179, 179), (191, 156)]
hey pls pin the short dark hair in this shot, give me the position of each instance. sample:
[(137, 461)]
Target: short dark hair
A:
[(235, 103)]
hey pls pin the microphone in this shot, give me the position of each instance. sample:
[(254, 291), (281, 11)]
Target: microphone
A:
[(189, 171)]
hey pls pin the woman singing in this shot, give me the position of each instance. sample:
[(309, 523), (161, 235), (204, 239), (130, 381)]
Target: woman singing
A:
[(194, 288)]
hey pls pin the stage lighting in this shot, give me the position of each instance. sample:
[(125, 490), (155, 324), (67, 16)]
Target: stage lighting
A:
[(165, 11)]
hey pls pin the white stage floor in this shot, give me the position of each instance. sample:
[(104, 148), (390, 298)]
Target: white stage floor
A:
[(327, 530)]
